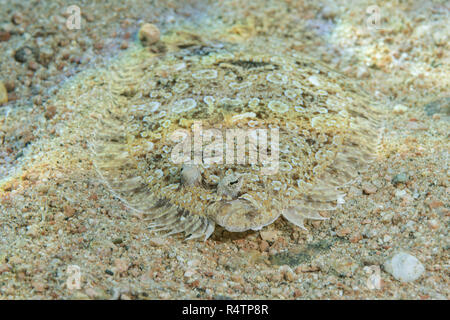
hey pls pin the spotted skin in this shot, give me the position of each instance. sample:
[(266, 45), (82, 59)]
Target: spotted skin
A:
[(327, 131)]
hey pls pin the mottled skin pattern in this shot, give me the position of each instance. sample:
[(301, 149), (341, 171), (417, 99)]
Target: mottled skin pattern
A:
[(327, 134)]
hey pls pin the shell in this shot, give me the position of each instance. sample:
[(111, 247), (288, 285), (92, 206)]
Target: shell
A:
[(321, 125)]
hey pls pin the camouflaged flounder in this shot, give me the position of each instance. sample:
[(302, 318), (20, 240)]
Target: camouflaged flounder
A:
[(327, 134)]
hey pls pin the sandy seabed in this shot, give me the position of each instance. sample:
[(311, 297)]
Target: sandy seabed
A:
[(56, 213)]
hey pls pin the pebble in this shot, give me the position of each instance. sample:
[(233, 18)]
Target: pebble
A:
[(355, 238), (50, 112), (10, 85), (400, 194), (149, 34), (5, 35), (32, 65), (69, 211), (289, 275), (433, 224), (307, 289), (17, 18), (94, 293), (343, 232), (194, 263), (3, 94), (435, 204), (4, 268), (24, 54), (400, 109), (189, 273), (121, 265), (404, 267), (38, 285), (124, 45), (263, 246), (343, 266), (77, 295), (399, 178), (440, 37), (330, 11), (46, 55), (269, 235), (369, 188), (107, 271)]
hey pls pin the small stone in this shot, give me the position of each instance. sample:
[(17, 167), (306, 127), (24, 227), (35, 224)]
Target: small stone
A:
[(400, 178), (316, 224), (189, 273), (263, 246), (362, 72), (343, 232), (24, 54), (39, 286), (440, 37), (404, 267), (37, 100), (369, 188), (17, 18), (433, 224), (15, 260), (193, 263), (33, 231), (3, 94), (69, 211), (387, 217), (121, 265), (94, 293), (10, 85), (124, 45), (436, 117), (5, 35), (400, 194), (4, 268), (343, 266), (287, 272), (276, 277), (88, 16), (33, 66), (50, 112), (99, 45), (77, 295), (149, 34), (330, 11), (355, 238), (45, 55), (117, 241), (164, 295), (400, 109), (269, 235), (435, 204), (107, 271)]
